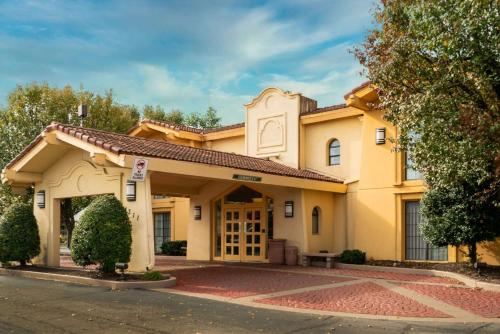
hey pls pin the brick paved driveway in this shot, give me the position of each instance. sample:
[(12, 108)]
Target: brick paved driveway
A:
[(339, 291), (332, 291)]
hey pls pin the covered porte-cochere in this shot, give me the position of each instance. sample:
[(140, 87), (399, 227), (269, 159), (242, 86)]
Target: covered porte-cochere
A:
[(237, 202)]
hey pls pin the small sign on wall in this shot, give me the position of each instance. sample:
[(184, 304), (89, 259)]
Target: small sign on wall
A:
[(247, 178), (140, 169)]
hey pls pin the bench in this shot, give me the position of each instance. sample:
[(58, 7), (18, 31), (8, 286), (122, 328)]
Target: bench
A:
[(306, 258)]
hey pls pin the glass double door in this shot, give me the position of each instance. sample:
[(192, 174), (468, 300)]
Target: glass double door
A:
[(244, 234)]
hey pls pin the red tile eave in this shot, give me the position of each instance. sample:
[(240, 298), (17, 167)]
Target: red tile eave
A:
[(325, 109), (25, 151), (163, 150), (186, 128), (224, 128), (358, 88)]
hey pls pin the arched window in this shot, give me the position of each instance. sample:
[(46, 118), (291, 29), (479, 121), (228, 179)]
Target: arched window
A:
[(315, 220), (334, 152)]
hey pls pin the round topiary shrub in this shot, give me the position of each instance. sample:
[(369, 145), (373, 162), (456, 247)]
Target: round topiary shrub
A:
[(174, 248), (19, 238), (103, 236)]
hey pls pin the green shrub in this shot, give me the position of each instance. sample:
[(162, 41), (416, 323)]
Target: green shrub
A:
[(152, 276), (174, 248), (103, 236), (19, 238), (354, 256)]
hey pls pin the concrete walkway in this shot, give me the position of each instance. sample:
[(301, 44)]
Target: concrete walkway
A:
[(344, 292)]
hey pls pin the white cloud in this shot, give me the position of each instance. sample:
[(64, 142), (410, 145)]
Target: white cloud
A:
[(159, 83), (337, 56), (185, 55), (327, 90)]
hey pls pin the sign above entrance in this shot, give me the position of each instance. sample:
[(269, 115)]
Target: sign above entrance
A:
[(140, 169), (247, 178)]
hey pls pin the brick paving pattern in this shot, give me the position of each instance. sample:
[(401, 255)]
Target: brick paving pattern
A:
[(369, 296), (240, 282), (370, 274), (396, 276), (480, 302), (365, 298)]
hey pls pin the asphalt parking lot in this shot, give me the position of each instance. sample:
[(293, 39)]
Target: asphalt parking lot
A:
[(36, 306)]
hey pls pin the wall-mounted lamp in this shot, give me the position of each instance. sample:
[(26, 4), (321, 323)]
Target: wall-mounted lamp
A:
[(380, 136), (197, 212), (40, 199), (130, 191), (288, 209)]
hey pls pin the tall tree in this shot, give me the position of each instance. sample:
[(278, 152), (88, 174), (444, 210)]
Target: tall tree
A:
[(437, 65), (208, 120), (157, 113)]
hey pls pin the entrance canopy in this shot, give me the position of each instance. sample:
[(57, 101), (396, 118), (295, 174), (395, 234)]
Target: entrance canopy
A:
[(192, 165)]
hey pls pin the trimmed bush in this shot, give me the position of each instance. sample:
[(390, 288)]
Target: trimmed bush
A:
[(152, 276), (19, 238), (354, 256), (103, 236), (174, 248)]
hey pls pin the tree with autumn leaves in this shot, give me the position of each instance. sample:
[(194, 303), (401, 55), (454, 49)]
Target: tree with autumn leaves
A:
[(437, 67)]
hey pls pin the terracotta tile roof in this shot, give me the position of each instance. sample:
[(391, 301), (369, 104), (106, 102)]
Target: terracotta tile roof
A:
[(25, 151), (324, 109), (355, 89), (180, 127), (225, 127), (124, 144)]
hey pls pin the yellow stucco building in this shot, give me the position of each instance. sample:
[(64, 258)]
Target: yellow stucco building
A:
[(321, 178)]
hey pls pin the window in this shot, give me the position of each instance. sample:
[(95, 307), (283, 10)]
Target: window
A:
[(416, 247), (334, 152), (315, 220), (243, 194), (410, 172), (162, 229)]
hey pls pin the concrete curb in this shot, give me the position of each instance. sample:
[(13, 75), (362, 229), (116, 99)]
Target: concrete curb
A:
[(113, 285), (470, 282)]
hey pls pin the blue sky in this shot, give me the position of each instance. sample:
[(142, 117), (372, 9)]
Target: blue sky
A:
[(185, 54)]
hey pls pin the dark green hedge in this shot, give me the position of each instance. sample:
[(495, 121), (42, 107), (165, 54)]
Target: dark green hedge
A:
[(174, 248), (103, 236), (354, 256), (152, 276), (19, 238)]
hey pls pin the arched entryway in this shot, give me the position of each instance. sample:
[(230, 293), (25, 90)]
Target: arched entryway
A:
[(243, 222)]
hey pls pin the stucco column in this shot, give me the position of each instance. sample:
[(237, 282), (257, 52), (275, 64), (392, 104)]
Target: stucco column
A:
[(54, 232), (42, 218), (141, 217)]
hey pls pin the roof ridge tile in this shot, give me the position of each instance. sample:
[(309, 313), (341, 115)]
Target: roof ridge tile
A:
[(125, 144)]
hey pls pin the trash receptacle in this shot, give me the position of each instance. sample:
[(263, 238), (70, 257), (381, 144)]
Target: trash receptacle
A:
[(291, 254), (277, 251)]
